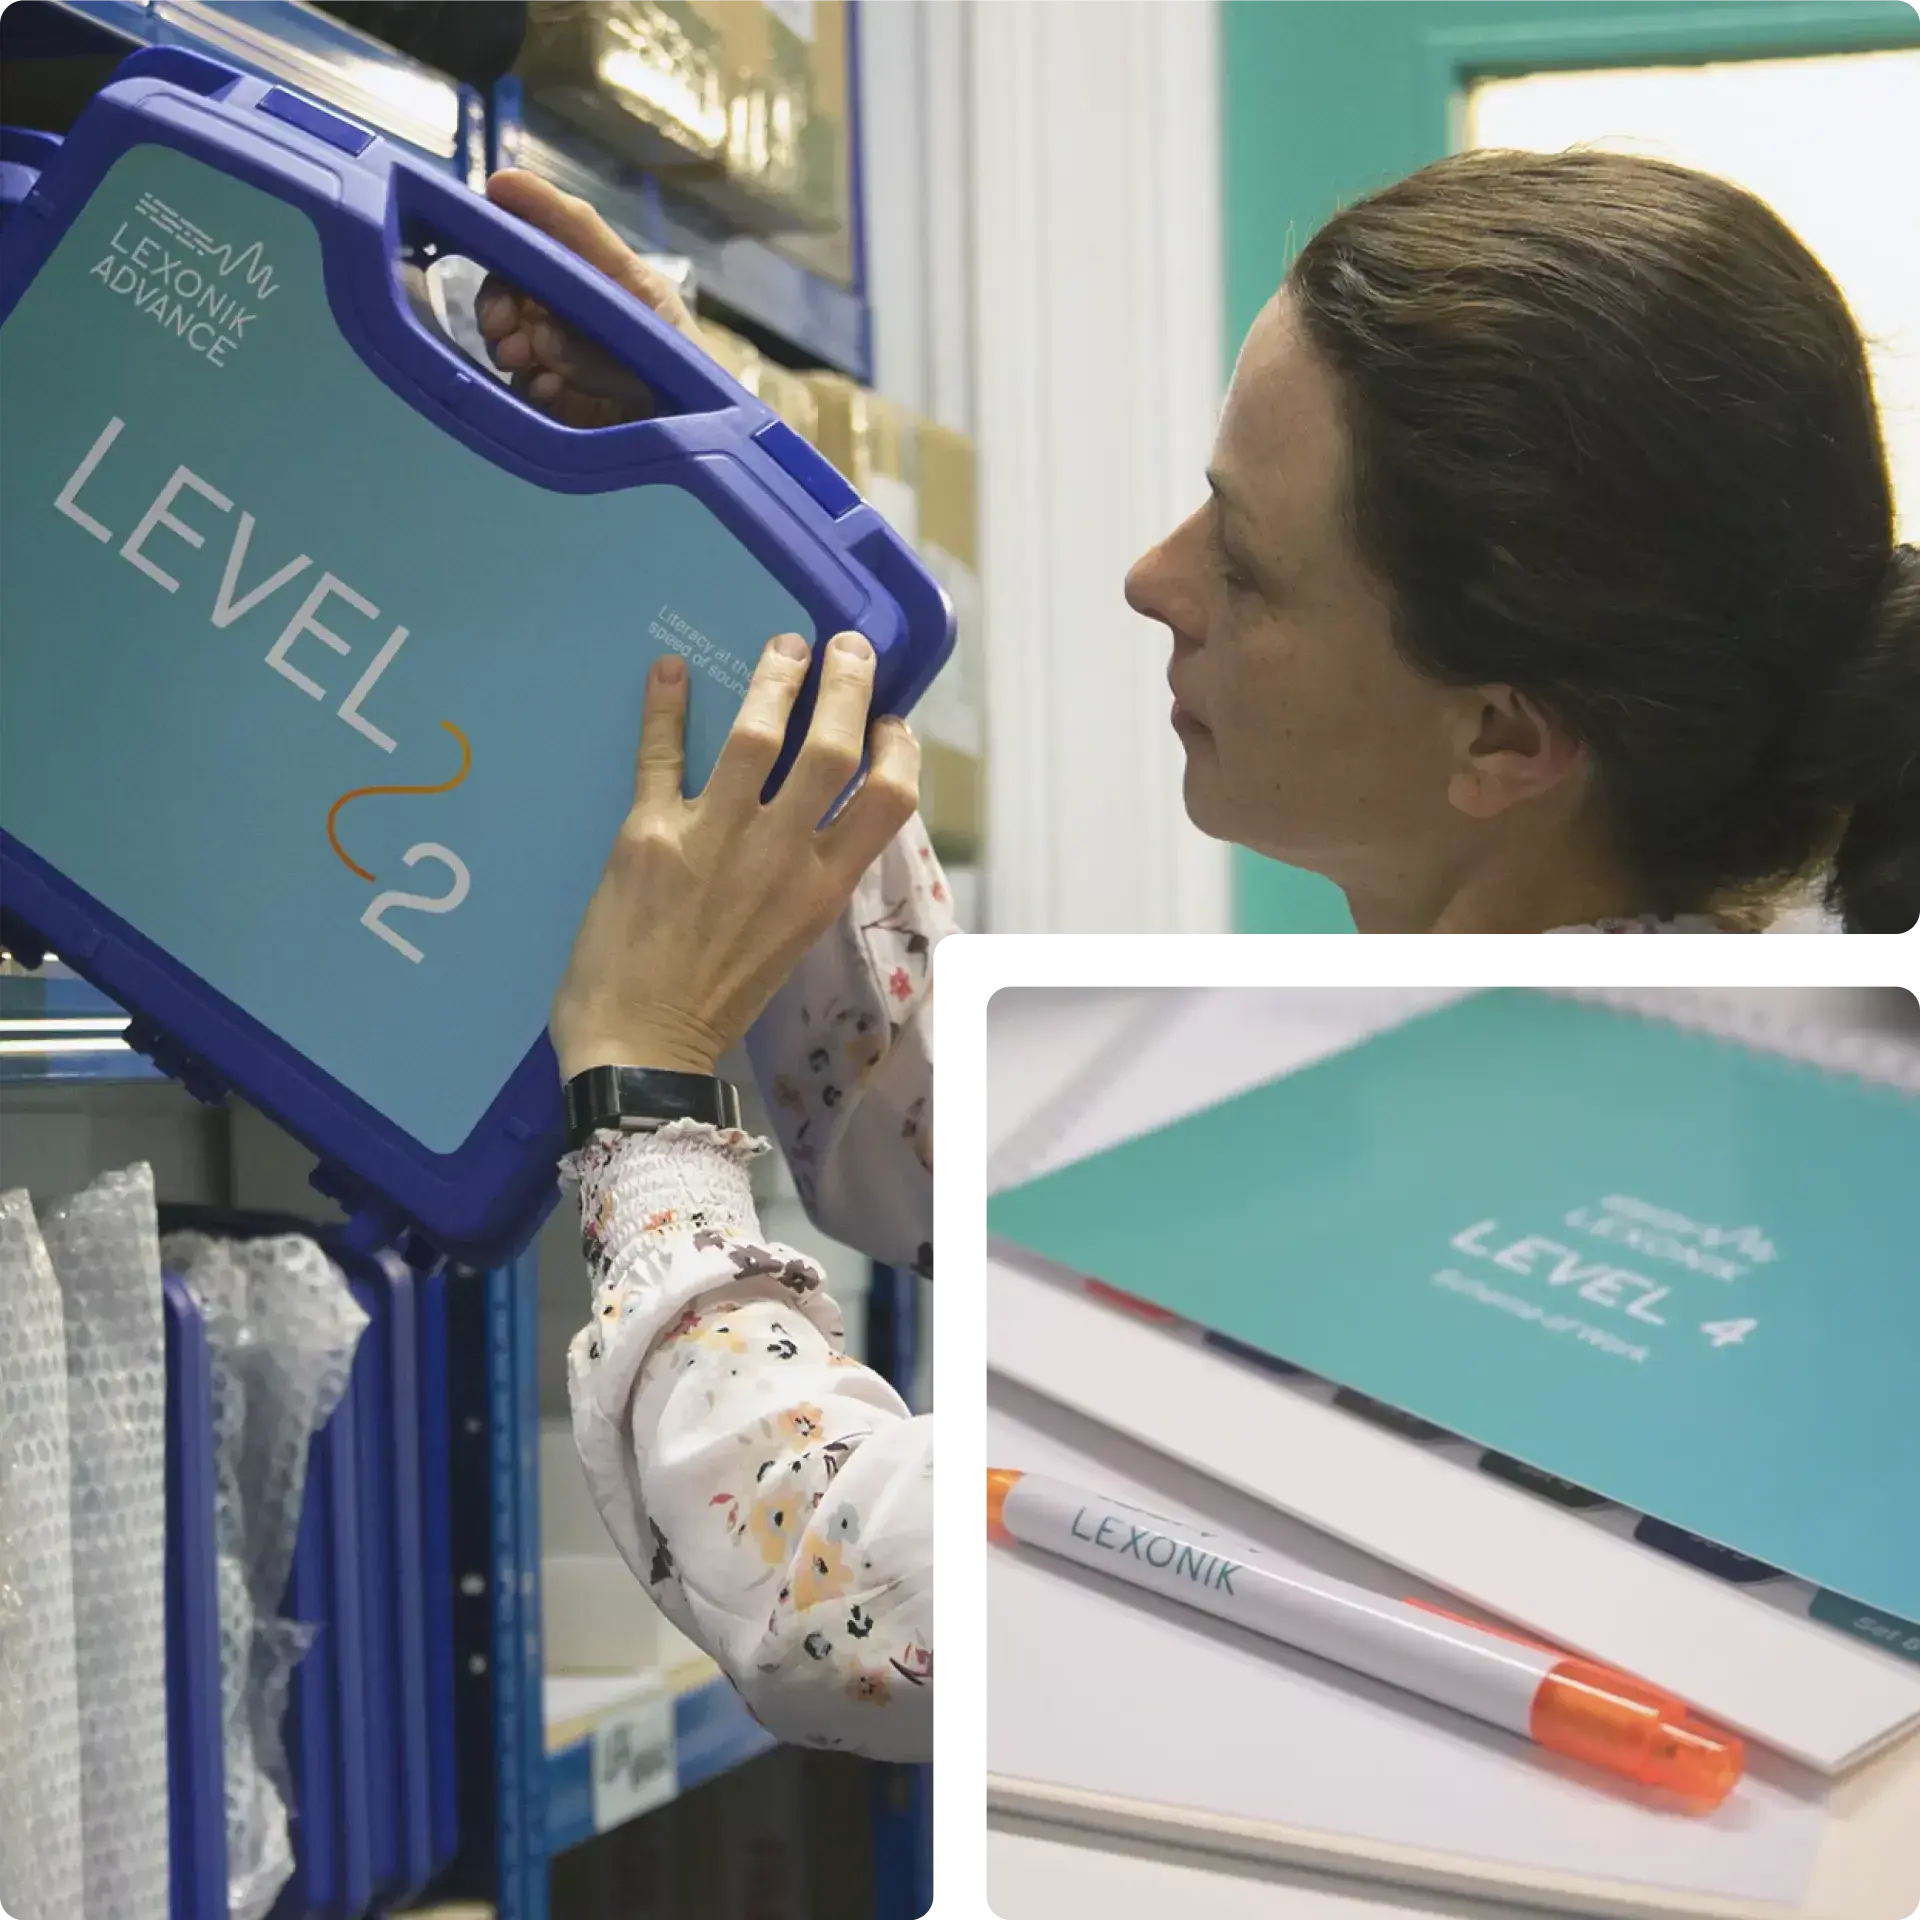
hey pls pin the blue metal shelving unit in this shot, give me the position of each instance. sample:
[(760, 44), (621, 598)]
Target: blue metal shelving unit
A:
[(429, 114), (54, 1027), (902, 1796)]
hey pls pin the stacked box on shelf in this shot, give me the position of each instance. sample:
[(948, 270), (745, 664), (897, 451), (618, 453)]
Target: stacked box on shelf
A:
[(786, 168), (645, 80), (922, 477), (741, 358), (787, 393), (952, 719), (742, 106), (803, 289)]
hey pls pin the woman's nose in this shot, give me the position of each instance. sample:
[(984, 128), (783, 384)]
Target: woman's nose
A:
[(1146, 582)]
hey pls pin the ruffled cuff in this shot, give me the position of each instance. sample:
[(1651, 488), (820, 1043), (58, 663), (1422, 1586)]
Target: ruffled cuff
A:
[(687, 1177)]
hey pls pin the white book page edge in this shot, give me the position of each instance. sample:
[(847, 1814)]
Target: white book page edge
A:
[(1796, 1686)]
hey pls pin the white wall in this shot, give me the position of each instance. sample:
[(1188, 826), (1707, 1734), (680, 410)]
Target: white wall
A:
[(1044, 255)]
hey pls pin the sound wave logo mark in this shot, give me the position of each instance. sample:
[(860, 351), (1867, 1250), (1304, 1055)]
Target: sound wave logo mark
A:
[(250, 260), (361, 793)]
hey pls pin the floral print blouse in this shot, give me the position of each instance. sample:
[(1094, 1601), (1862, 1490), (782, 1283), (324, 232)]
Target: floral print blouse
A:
[(1792, 919), (772, 1494)]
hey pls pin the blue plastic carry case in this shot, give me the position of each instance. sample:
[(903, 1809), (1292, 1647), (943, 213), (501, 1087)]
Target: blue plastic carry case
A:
[(324, 653), (386, 1398), (23, 153), (196, 1733), (328, 1734)]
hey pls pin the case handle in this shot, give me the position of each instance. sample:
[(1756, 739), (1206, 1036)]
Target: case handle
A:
[(685, 383)]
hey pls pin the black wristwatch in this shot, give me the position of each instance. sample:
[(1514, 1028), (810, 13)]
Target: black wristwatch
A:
[(643, 1100)]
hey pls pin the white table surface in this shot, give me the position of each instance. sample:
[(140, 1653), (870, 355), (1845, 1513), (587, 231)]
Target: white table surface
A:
[(1035, 1039)]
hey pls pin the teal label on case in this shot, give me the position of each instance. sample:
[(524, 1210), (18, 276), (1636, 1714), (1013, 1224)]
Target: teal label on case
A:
[(336, 712), (1644, 1260)]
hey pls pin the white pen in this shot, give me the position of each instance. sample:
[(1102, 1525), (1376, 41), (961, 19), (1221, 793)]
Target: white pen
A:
[(1571, 1706)]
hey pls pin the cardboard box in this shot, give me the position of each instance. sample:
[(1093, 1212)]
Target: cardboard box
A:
[(840, 422), (741, 358), (645, 79), (953, 801), (923, 480), (786, 163), (873, 443), (952, 718), (788, 394)]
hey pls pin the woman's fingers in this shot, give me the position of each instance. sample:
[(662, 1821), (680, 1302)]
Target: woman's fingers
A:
[(760, 727), (887, 800), (661, 764), (496, 308), (829, 757), (574, 362)]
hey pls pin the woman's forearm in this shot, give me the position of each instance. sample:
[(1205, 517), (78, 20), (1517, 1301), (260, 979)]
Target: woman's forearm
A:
[(773, 1495)]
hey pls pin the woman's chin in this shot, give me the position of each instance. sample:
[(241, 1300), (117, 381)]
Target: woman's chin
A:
[(1199, 790)]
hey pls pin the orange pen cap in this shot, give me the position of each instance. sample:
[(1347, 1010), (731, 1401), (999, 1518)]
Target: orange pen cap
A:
[(1000, 1482), (1593, 1714)]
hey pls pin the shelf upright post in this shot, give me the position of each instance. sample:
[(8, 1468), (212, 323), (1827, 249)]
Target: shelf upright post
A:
[(902, 1795), (519, 1727)]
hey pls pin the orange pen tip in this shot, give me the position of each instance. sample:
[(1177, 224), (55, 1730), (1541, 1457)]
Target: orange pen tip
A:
[(1000, 1482)]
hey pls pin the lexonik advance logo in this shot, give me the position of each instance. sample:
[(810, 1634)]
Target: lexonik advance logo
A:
[(201, 290)]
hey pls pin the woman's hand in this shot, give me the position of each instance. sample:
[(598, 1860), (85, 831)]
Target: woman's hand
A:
[(706, 905), (551, 365)]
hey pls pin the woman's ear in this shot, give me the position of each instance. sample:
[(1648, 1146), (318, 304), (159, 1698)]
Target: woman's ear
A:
[(1511, 749)]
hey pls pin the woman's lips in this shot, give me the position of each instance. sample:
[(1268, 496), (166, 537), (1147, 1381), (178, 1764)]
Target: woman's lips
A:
[(1185, 720)]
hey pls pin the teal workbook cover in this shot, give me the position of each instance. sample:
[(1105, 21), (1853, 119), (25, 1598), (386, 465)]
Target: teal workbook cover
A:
[(1648, 1259)]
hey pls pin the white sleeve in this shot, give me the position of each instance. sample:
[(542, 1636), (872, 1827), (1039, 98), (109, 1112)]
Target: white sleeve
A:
[(844, 1057), (772, 1494)]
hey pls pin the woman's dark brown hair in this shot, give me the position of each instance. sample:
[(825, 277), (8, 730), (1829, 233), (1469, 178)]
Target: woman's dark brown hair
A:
[(1614, 444)]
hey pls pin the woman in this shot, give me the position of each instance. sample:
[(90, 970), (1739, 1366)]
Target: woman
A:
[(774, 1496), (1548, 579)]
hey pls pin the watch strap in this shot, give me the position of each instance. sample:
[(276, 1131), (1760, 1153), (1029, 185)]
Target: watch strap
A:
[(643, 1100)]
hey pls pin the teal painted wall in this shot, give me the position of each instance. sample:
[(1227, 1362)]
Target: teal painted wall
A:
[(1325, 100)]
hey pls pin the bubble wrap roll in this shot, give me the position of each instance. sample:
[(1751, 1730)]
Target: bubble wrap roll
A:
[(105, 1248), (282, 1327), (40, 1870)]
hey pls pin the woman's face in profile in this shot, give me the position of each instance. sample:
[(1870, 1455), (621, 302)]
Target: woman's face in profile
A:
[(1308, 737), (1304, 734)]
